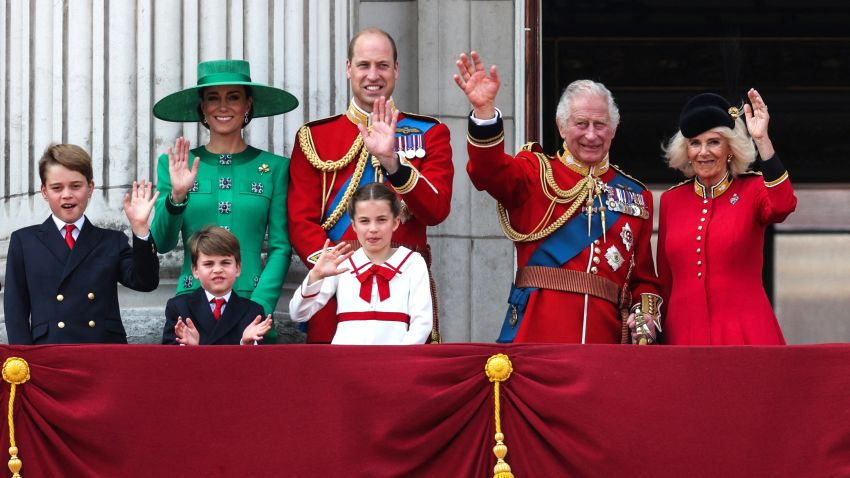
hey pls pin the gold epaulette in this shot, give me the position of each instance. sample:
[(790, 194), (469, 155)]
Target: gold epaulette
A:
[(687, 181), (629, 176), (750, 173)]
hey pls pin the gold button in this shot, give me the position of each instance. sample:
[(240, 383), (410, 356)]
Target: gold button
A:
[(60, 297), (699, 228), (61, 325), (699, 238), (596, 260), (699, 263), (705, 201), (91, 323), (702, 219), (91, 296), (699, 274), (597, 250), (704, 211), (596, 242), (594, 270), (699, 250)]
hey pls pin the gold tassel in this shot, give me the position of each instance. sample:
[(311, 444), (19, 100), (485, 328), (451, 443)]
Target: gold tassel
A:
[(16, 371), (499, 369)]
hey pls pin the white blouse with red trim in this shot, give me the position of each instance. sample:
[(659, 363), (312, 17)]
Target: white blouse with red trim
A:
[(403, 317)]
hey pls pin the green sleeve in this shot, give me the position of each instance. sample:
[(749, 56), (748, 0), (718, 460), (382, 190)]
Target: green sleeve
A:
[(166, 225), (269, 287)]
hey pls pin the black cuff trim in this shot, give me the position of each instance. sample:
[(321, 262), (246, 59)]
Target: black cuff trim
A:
[(772, 169), (401, 176)]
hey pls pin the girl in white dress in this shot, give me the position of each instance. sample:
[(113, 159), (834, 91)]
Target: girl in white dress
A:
[(383, 293)]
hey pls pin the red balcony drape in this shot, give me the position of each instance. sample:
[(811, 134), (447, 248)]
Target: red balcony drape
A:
[(427, 411)]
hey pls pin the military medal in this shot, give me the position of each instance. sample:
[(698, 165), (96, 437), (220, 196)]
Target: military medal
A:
[(627, 237), (615, 259), (420, 151), (409, 150)]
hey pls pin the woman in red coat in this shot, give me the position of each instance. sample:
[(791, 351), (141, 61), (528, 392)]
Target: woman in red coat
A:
[(711, 227)]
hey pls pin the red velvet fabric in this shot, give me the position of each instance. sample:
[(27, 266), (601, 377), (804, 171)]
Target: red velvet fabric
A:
[(427, 411)]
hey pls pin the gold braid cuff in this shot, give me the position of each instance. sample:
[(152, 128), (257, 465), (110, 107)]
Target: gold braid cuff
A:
[(576, 195), (486, 142), (499, 369), (770, 184), (16, 371), (305, 140)]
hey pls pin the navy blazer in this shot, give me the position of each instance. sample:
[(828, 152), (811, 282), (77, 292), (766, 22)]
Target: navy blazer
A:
[(55, 295), (227, 330)]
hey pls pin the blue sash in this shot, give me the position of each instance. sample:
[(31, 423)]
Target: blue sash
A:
[(558, 249), (406, 126)]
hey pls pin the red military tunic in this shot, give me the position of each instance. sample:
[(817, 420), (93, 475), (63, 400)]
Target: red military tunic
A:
[(424, 185), (554, 315), (710, 243)]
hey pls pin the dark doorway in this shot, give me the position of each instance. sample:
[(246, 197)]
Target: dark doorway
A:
[(654, 54)]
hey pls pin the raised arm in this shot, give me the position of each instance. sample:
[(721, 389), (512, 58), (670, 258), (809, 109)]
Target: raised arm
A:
[(479, 87)]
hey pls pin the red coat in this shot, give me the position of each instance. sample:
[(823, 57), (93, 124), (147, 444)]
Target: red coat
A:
[(550, 315), (429, 199), (710, 261)]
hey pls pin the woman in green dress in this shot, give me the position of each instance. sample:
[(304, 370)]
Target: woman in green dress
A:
[(226, 182)]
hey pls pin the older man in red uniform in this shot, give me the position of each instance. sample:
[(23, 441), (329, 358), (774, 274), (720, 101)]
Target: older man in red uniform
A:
[(581, 226), (332, 158)]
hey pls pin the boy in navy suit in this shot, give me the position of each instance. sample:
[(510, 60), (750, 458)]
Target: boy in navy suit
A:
[(62, 275), (214, 314)]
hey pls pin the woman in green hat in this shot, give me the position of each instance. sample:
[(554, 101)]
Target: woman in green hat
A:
[(226, 182)]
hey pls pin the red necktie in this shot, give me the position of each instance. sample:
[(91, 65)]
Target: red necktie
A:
[(69, 236), (219, 303), (382, 275)]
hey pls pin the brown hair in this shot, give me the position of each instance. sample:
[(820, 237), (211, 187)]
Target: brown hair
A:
[(249, 93), (69, 156), (375, 192), (371, 30), (214, 241)]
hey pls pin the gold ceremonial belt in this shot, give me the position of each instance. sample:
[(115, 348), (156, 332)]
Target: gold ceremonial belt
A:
[(566, 280)]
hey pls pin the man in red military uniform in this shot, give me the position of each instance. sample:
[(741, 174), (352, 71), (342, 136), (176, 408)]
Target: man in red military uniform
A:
[(581, 227), (332, 158)]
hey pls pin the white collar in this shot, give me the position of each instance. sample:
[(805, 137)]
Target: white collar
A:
[(60, 224), (226, 297)]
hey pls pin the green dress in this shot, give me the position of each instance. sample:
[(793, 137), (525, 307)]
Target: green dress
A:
[(244, 193)]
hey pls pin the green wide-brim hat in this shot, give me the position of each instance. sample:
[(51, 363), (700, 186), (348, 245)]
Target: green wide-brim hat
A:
[(183, 105)]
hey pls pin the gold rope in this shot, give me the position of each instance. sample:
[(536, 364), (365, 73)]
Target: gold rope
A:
[(499, 369), (305, 140), (16, 371), (339, 210)]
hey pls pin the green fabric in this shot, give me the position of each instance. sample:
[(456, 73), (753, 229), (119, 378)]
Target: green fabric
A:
[(257, 201), (183, 105)]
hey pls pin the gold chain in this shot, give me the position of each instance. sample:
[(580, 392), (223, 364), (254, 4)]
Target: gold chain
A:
[(305, 140), (577, 195), (349, 191)]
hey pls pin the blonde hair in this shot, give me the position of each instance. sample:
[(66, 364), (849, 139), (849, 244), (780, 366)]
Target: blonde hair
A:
[(740, 143)]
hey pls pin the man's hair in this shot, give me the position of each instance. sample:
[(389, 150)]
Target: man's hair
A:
[(70, 156), (368, 31), (214, 241), (586, 88), (375, 192)]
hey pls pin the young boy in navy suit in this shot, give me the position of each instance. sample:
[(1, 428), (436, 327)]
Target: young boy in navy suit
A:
[(62, 275), (214, 314)]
